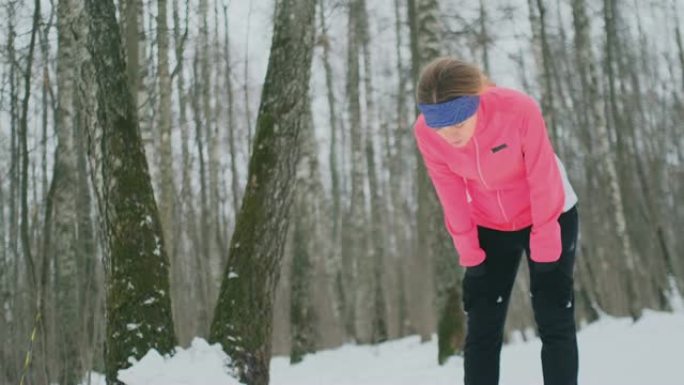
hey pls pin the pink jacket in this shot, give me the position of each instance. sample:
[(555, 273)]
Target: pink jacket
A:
[(505, 178)]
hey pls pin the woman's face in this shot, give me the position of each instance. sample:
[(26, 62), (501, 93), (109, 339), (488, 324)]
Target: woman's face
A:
[(458, 135)]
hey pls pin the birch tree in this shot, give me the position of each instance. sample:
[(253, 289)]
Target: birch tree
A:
[(354, 250), (540, 39), (183, 270), (243, 315), (14, 181), (35, 299), (432, 241), (138, 299), (167, 193), (627, 252), (399, 162), (305, 247), (65, 194), (339, 300), (375, 301), (232, 126)]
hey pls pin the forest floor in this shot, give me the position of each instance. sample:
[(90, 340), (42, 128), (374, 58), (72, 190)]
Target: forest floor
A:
[(612, 351)]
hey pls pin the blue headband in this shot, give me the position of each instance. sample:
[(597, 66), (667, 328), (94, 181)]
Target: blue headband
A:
[(451, 112)]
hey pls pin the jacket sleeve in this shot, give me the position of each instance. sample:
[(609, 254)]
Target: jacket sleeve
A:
[(545, 184), (451, 192)]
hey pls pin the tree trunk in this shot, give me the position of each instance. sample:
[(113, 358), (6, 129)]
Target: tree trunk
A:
[(354, 252), (23, 142), (400, 161), (132, 32), (89, 256), (335, 257), (331, 320), (5, 291), (211, 141), (432, 240), (14, 182), (188, 325), (304, 242), (167, 190), (232, 127), (248, 113), (65, 190), (484, 37), (680, 45), (614, 176), (203, 257), (219, 188), (138, 299), (540, 39), (167, 195), (589, 79), (34, 293), (375, 303), (243, 315), (48, 105)]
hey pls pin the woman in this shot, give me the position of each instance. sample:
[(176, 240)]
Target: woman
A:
[(503, 191)]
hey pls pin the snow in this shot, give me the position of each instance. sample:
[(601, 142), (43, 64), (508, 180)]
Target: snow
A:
[(674, 297), (200, 364), (612, 351), (132, 326)]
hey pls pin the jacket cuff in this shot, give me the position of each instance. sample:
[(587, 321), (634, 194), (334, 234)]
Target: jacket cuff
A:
[(545, 243), (469, 251)]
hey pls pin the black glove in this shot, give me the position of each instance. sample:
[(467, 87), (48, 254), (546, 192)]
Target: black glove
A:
[(477, 287), (477, 270), (545, 267)]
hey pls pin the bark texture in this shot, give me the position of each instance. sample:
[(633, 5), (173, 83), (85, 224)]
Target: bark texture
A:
[(137, 268), (243, 315)]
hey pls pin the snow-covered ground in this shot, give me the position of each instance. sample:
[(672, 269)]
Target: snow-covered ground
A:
[(612, 351)]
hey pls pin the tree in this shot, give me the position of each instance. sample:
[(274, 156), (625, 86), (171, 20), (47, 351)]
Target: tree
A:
[(614, 175), (203, 257), (435, 259), (167, 194), (484, 38), (191, 242), (137, 282), (243, 316), (36, 297), (339, 299), (353, 243), (232, 126), (678, 38), (376, 306), (544, 60), (305, 247), (132, 19), (64, 195), (399, 162)]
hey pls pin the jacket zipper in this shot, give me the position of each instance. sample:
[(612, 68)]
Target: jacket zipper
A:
[(479, 170), (498, 198), (477, 158)]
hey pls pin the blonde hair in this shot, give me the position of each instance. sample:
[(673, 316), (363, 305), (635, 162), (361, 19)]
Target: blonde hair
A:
[(447, 78)]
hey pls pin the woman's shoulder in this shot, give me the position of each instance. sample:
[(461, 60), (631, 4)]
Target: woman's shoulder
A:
[(509, 99)]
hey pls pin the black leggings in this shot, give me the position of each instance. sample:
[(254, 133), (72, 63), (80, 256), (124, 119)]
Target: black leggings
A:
[(486, 294)]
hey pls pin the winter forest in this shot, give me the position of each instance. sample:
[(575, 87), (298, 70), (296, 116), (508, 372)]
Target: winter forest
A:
[(245, 172)]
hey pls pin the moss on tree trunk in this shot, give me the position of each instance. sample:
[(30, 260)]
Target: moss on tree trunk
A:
[(137, 279), (243, 316)]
